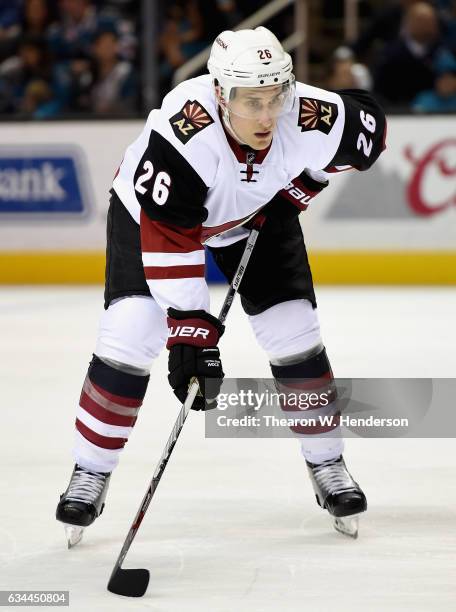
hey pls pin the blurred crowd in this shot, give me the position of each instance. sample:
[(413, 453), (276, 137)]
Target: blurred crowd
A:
[(67, 57), (406, 55), (82, 57)]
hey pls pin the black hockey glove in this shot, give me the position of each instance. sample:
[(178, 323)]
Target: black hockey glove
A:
[(294, 198), (193, 352)]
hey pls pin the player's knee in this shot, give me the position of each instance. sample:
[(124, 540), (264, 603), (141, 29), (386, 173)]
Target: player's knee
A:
[(288, 328), (132, 331)]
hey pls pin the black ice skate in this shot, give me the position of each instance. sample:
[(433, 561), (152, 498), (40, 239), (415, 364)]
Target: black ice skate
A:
[(82, 502), (338, 493)]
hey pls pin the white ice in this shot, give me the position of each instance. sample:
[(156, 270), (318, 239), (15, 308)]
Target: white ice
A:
[(234, 525)]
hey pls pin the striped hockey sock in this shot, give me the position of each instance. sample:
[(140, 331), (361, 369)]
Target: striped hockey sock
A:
[(108, 408)]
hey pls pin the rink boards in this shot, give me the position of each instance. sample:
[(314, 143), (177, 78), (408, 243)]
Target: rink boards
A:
[(395, 223)]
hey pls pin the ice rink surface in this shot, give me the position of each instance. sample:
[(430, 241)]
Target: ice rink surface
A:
[(234, 525)]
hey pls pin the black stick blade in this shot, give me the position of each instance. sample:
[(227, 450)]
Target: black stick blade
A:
[(129, 582)]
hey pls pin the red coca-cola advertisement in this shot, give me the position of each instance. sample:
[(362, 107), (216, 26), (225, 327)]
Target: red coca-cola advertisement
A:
[(435, 161), (414, 179)]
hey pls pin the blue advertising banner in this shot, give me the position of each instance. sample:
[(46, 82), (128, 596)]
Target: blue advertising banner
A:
[(38, 183)]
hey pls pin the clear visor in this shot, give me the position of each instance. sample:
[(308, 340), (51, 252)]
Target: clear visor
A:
[(262, 102)]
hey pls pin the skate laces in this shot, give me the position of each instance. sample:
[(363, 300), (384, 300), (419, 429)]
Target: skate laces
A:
[(85, 486), (333, 477)]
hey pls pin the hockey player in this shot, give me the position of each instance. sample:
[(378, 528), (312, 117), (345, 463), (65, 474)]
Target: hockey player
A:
[(221, 148)]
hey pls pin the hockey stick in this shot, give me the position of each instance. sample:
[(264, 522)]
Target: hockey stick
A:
[(133, 582)]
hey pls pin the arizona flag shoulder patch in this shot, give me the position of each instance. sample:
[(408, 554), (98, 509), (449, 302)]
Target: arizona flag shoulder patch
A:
[(191, 119), (316, 115)]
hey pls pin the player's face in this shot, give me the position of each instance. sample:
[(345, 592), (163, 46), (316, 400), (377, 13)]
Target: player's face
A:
[(254, 112)]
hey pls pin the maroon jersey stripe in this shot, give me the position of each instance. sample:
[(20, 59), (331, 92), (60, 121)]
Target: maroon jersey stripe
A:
[(159, 237), (163, 272)]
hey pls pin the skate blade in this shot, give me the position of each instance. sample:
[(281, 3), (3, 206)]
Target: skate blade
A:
[(347, 525), (73, 534)]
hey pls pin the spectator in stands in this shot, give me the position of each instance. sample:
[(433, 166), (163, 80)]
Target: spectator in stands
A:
[(441, 99), (127, 15), (182, 33), (38, 101), (27, 81), (384, 27), (448, 17), (114, 90), (103, 84), (346, 73), (10, 17), (407, 64), (79, 23), (37, 16), (77, 77), (181, 38), (120, 8)]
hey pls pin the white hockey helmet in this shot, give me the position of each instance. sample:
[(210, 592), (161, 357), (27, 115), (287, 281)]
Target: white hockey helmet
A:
[(251, 58)]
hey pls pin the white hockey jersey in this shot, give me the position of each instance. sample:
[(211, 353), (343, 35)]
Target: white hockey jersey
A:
[(187, 182)]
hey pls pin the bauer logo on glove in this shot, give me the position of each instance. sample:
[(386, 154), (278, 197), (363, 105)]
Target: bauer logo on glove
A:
[(188, 331), (193, 354)]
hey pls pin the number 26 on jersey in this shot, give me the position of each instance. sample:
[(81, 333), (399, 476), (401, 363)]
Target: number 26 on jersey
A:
[(364, 142), (162, 181)]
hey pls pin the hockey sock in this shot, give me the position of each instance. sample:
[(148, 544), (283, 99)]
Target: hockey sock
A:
[(108, 409), (308, 393)]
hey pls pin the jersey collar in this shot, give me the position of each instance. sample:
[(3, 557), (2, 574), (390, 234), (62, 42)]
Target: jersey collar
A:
[(241, 151)]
